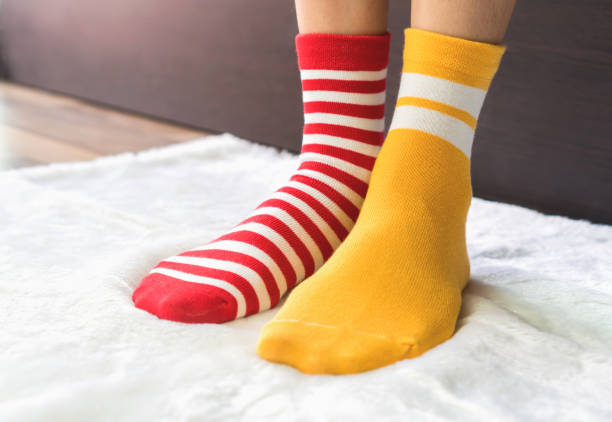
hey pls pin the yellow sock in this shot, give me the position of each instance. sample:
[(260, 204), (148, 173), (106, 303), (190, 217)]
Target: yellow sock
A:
[(393, 288)]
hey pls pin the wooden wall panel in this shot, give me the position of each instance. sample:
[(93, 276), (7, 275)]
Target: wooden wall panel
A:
[(545, 137)]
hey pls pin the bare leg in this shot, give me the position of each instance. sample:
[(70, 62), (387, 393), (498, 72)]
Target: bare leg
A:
[(348, 17), (476, 20)]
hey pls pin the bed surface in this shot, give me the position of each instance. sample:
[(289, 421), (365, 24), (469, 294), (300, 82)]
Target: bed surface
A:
[(533, 342)]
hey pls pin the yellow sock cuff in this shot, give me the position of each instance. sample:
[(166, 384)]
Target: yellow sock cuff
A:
[(467, 62)]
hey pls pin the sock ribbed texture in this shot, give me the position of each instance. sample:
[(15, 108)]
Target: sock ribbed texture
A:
[(291, 234), (393, 288)]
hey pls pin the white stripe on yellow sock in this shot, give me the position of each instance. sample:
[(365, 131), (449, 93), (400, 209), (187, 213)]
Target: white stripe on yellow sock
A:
[(436, 123), (444, 91)]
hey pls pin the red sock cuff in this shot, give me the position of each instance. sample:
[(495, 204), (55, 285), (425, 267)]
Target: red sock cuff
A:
[(342, 52)]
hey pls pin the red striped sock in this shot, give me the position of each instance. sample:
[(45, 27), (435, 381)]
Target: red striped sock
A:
[(291, 234)]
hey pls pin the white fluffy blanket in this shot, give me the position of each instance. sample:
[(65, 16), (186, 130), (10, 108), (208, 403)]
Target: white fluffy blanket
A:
[(533, 342)]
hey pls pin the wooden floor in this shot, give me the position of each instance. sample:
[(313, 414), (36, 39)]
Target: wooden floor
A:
[(38, 127)]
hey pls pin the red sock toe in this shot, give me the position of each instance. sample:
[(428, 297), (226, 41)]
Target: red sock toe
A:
[(183, 301)]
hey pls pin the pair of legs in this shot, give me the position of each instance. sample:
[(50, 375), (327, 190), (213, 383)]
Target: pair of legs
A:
[(476, 20), (384, 270)]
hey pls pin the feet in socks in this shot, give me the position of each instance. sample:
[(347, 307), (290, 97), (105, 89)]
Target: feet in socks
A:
[(291, 234), (392, 290)]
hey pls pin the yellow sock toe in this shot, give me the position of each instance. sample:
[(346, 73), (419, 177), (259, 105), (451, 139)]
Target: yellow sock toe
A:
[(392, 290), (327, 349)]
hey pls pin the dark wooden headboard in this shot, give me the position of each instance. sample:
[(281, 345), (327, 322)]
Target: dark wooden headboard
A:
[(544, 140)]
